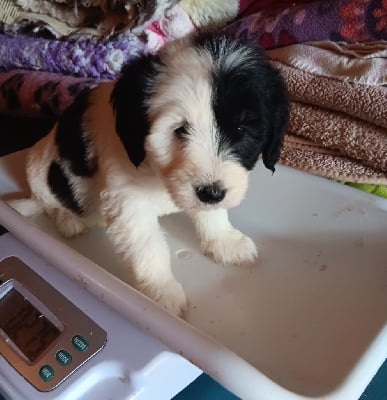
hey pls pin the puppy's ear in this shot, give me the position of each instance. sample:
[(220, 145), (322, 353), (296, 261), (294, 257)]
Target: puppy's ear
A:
[(277, 105), (129, 100)]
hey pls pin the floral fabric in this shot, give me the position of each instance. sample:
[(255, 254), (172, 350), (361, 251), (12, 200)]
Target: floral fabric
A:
[(335, 20)]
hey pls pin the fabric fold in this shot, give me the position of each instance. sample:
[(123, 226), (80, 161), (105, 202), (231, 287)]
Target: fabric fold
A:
[(81, 18), (351, 137), (308, 157), (338, 126), (360, 63), (365, 102), (82, 57)]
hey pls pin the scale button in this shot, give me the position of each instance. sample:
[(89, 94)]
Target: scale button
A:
[(46, 373), (80, 343), (63, 357)]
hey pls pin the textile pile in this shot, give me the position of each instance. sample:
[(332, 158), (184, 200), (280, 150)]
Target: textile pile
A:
[(338, 125), (332, 54)]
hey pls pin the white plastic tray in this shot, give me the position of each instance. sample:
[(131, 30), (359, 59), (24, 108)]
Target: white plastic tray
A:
[(308, 320)]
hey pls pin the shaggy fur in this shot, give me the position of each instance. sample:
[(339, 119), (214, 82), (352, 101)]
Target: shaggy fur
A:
[(179, 131)]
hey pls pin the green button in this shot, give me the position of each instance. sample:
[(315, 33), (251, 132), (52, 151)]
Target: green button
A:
[(46, 373), (63, 357), (80, 343)]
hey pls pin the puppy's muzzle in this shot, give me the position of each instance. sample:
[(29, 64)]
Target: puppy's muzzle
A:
[(210, 194)]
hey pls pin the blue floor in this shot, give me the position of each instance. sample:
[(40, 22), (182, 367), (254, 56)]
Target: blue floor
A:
[(205, 388)]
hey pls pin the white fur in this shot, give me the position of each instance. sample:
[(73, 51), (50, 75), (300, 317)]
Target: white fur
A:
[(129, 200), (220, 240), (186, 96)]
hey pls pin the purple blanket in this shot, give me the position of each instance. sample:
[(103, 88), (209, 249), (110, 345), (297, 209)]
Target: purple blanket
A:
[(83, 57)]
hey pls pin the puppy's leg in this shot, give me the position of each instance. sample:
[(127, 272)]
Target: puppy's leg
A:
[(220, 240), (137, 237), (67, 223)]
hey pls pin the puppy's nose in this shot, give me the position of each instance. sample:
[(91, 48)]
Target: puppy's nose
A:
[(210, 194)]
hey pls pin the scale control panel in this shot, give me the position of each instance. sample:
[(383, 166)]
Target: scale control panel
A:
[(43, 335)]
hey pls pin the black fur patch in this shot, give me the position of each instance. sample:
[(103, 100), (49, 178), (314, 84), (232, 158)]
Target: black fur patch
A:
[(250, 101), (72, 141), (61, 188), (128, 99)]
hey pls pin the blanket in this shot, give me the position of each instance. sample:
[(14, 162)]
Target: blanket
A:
[(334, 20), (83, 57), (81, 17), (339, 147), (338, 126), (366, 102), (321, 20), (306, 156), (364, 63), (39, 94), (98, 53)]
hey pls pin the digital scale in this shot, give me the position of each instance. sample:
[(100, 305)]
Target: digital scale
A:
[(45, 337), (53, 349), (308, 321)]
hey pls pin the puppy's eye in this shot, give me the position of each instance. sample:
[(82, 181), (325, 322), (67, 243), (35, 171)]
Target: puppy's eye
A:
[(181, 131), (241, 129), (245, 122)]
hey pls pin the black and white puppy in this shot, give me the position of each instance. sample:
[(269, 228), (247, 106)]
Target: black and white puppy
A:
[(177, 131)]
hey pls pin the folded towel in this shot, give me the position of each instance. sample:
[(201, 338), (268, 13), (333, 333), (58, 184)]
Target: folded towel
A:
[(352, 137), (364, 63), (338, 127), (307, 156), (360, 101)]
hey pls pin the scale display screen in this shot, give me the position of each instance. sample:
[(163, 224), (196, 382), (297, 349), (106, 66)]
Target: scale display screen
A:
[(43, 335), (24, 326)]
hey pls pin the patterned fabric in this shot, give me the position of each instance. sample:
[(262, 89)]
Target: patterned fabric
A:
[(33, 93), (336, 20), (84, 57), (80, 18), (39, 94)]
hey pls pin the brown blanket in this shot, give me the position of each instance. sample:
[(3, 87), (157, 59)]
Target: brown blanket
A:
[(307, 156), (338, 128)]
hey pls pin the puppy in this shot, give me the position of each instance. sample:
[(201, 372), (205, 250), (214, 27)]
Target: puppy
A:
[(179, 131)]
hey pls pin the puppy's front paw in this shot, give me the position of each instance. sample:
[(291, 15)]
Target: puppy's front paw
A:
[(170, 296), (69, 225), (231, 247)]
